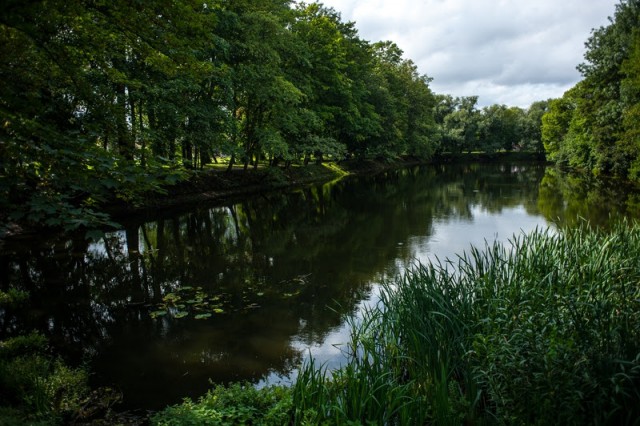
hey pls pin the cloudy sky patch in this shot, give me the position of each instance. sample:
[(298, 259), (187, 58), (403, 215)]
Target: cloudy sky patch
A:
[(511, 52)]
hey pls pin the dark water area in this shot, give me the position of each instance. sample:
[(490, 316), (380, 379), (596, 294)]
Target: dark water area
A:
[(248, 290)]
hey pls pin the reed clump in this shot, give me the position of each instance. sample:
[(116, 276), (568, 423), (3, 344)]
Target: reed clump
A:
[(542, 330)]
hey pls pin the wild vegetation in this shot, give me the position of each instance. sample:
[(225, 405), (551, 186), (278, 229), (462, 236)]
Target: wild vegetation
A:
[(35, 386), (539, 331)]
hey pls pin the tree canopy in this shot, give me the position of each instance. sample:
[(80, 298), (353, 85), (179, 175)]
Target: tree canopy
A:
[(107, 99), (595, 125)]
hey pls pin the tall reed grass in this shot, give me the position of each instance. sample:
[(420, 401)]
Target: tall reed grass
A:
[(543, 330)]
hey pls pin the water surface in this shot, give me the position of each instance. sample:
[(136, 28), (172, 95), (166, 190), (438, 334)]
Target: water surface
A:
[(247, 290)]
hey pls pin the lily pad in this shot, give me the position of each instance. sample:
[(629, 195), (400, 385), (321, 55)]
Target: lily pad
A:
[(202, 316)]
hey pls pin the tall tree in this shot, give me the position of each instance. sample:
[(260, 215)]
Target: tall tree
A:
[(76, 113), (602, 102), (532, 127), (499, 128), (404, 102)]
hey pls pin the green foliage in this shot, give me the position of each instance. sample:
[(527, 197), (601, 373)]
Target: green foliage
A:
[(111, 101), (13, 297), (594, 126), (540, 331), (555, 125), (458, 122), (501, 128), (531, 127), (404, 105), (367, 390), (553, 316), (35, 387), (233, 405)]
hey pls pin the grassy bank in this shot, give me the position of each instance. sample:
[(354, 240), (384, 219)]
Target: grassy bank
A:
[(217, 184), (544, 330)]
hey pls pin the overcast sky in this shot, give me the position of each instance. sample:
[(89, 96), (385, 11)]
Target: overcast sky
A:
[(511, 52)]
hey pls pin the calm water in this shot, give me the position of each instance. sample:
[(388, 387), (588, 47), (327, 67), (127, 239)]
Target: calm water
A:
[(246, 291)]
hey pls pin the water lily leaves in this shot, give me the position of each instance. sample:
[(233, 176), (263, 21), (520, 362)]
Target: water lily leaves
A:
[(171, 298), (187, 300), (194, 302)]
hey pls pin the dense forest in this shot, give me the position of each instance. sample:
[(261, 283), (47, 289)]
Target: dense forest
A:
[(595, 126), (111, 100)]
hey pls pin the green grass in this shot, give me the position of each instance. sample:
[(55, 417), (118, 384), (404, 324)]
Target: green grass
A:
[(543, 330)]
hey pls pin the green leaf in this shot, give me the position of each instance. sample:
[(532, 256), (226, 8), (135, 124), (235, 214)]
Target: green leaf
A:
[(94, 235)]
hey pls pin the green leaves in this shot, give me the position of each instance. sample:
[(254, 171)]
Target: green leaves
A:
[(594, 126), (190, 301)]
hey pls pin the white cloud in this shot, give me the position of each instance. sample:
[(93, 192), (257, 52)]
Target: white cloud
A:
[(506, 51)]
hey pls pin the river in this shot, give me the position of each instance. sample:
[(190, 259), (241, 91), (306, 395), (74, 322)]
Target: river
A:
[(249, 289)]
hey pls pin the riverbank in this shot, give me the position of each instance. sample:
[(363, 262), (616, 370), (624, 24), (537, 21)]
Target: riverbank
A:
[(217, 184)]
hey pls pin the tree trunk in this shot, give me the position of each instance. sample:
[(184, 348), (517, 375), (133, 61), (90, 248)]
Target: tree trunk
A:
[(124, 140)]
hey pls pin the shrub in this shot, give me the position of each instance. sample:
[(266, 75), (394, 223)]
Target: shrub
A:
[(233, 405), (35, 387)]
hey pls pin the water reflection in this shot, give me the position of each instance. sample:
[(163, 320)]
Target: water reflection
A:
[(274, 276)]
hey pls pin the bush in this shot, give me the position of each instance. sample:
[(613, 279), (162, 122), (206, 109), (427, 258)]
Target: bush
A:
[(234, 405), (35, 387)]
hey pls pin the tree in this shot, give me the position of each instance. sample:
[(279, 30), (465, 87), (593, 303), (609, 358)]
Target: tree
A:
[(404, 102), (76, 114), (458, 123), (500, 128), (531, 127), (602, 103)]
